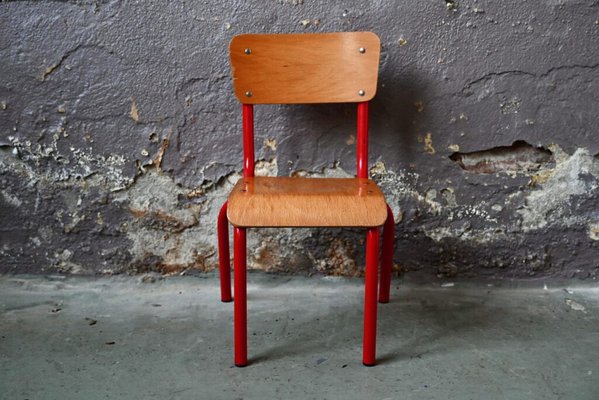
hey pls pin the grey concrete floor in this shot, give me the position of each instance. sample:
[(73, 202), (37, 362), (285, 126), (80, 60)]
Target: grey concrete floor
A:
[(128, 338)]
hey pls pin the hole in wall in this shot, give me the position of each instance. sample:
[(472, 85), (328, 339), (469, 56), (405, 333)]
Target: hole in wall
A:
[(519, 157)]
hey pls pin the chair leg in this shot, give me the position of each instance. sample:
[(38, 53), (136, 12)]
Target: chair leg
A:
[(240, 304), (224, 262), (387, 258), (370, 304)]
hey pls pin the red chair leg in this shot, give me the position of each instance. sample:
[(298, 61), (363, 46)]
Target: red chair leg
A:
[(370, 304), (240, 304), (224, 262), (387, 258)]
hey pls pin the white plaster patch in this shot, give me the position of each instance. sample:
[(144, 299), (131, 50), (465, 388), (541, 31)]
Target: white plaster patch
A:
[(594, 230), (11, 198), (266, 168), (547, 205), (402, 185), (155, 192), (479, 236)]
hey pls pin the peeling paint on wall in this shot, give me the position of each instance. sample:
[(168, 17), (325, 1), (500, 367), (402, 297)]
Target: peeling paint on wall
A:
[(172, 228)]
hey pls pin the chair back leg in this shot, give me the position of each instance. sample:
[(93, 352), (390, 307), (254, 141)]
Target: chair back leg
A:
[(224, 262), (387, 257)]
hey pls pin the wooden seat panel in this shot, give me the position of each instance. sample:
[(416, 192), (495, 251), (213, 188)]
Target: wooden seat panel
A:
[(306, 202)]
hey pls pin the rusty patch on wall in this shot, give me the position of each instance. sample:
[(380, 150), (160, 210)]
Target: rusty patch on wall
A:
[(519, 157)]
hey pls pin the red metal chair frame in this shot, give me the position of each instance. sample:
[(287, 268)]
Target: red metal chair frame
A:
[(240, 249)]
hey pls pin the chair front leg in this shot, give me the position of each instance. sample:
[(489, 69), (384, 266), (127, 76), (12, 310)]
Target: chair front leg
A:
[(224, 262), (387, 258), (371, 289), (240, 304)]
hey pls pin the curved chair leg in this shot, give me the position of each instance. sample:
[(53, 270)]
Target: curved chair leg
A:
[(224, 262), (240, 304), (387, 258), (371, 289)]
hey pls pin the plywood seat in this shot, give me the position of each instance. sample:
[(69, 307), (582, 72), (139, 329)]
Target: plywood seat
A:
[(306, 202)]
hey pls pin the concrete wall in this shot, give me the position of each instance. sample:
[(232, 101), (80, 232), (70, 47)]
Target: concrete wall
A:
[(120, 135)]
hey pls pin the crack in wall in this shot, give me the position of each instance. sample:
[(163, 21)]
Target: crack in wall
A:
[(54, 67), (467, 86)]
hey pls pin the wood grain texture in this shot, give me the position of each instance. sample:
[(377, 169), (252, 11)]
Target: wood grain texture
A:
[(305, 68), (306, 202)]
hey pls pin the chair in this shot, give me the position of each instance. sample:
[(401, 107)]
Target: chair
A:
[(301, 69)]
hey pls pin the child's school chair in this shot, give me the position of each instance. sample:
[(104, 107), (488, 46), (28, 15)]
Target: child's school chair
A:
[(300, 69)]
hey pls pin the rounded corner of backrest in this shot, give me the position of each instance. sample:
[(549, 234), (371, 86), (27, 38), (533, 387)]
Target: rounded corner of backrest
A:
[(373, 36), (371, 96), (236, 39), (237, 96), (241, 96)]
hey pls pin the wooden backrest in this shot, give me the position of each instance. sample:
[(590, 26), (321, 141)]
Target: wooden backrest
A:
[(305, 68)]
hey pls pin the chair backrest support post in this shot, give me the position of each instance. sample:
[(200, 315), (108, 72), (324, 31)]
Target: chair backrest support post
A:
[(362, 142), (248, 140)]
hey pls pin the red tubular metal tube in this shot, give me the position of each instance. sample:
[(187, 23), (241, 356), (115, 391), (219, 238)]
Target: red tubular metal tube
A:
[(362, 142), (387, 257), (248, 140), (370, 304), (240, 304), (224, 261)]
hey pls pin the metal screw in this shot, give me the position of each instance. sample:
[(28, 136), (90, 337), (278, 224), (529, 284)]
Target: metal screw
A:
[(362, 50), (248, 51), (361, 92), (248, 94)]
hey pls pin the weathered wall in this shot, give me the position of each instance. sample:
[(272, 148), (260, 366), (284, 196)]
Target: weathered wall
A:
[(120, 136)]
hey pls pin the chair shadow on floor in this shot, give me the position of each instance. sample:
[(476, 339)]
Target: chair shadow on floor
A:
[(441, 321), (418, 322)]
